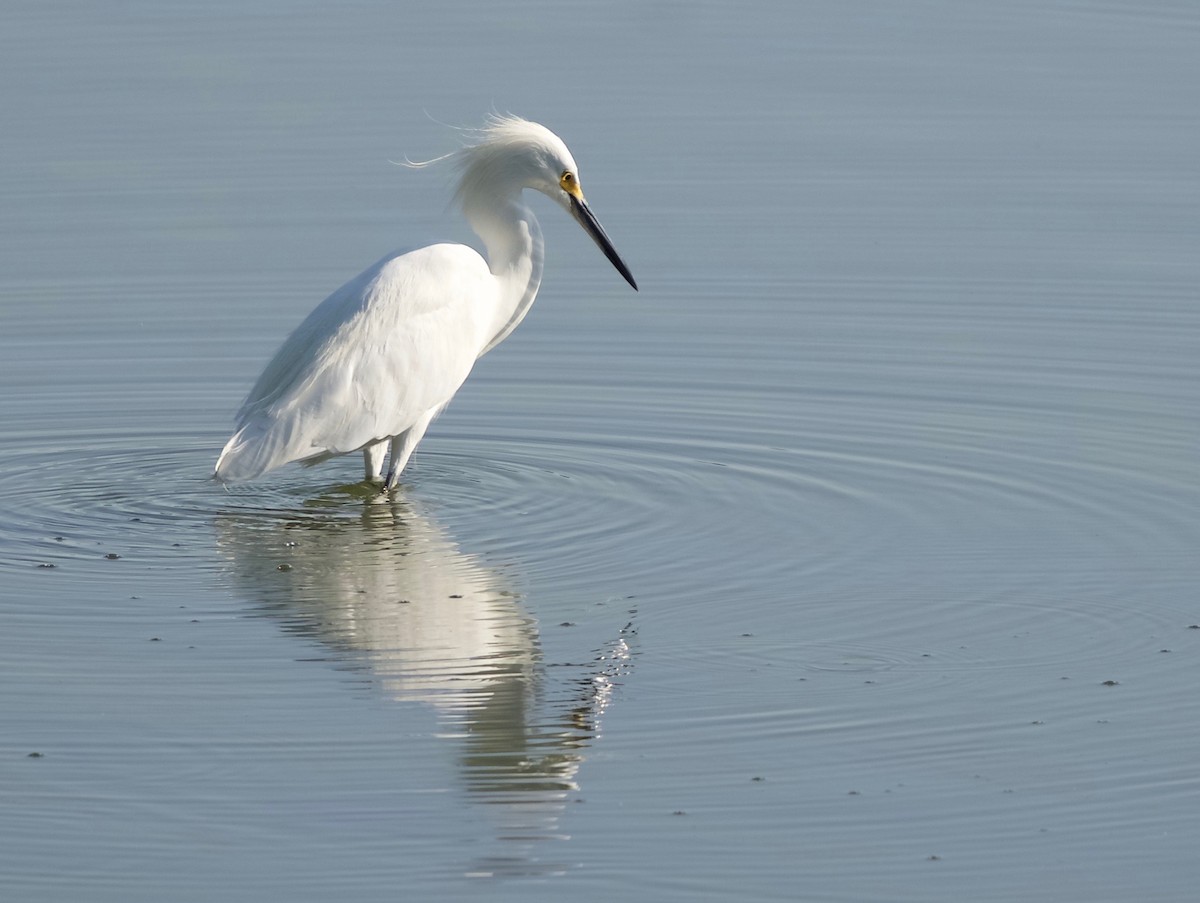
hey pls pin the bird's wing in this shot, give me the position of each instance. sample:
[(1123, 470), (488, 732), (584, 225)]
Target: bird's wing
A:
[(385, 348)]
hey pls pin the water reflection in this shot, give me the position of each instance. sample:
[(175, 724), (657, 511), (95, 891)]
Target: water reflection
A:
[(383, 585)]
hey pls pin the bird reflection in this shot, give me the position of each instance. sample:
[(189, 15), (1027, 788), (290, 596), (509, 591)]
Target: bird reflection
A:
[(383, 585)]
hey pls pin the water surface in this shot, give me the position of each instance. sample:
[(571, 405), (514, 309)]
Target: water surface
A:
[(851, 559)]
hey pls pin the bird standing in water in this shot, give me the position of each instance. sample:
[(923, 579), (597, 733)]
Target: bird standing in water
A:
[(379, 359)]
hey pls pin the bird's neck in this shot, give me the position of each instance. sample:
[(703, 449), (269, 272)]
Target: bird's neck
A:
[(513, 240)]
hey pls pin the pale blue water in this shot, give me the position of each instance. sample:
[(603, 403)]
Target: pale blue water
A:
[(851, 559)]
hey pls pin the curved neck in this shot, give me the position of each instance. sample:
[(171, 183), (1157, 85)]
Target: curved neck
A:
[(513, 240)]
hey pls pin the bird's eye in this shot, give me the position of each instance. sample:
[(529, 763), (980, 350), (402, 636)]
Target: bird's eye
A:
[(567, 181)]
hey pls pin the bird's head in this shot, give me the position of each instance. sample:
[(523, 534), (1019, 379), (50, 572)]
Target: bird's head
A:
[(512, 154)]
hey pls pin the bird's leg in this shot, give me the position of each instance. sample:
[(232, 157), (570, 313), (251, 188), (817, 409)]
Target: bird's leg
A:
[(373, 461), (402, 449)]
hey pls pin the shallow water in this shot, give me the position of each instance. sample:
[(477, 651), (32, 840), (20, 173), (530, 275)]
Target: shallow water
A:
[(852, 559)]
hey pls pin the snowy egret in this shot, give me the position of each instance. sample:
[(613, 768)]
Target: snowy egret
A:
[(378, 359)]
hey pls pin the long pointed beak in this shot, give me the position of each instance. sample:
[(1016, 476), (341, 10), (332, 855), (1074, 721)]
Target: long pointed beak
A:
[(584, 216)]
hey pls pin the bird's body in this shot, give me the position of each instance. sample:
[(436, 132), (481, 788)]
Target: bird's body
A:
[(375, 362)]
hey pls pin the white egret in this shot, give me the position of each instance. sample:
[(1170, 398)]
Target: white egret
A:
[(375, 362)]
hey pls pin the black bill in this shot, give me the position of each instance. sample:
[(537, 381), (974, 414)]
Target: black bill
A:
[(583, 215)]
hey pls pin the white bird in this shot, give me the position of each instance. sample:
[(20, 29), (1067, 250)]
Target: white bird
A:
[(376, 361)]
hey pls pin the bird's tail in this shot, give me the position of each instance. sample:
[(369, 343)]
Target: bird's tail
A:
[(254, 449)]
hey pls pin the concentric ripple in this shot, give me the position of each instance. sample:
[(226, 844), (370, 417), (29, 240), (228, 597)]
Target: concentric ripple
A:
[(828, 530)]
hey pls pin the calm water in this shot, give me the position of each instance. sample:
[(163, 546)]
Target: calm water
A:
[(852, 559)]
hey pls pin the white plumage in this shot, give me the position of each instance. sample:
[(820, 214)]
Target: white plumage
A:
[(378, 359)]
